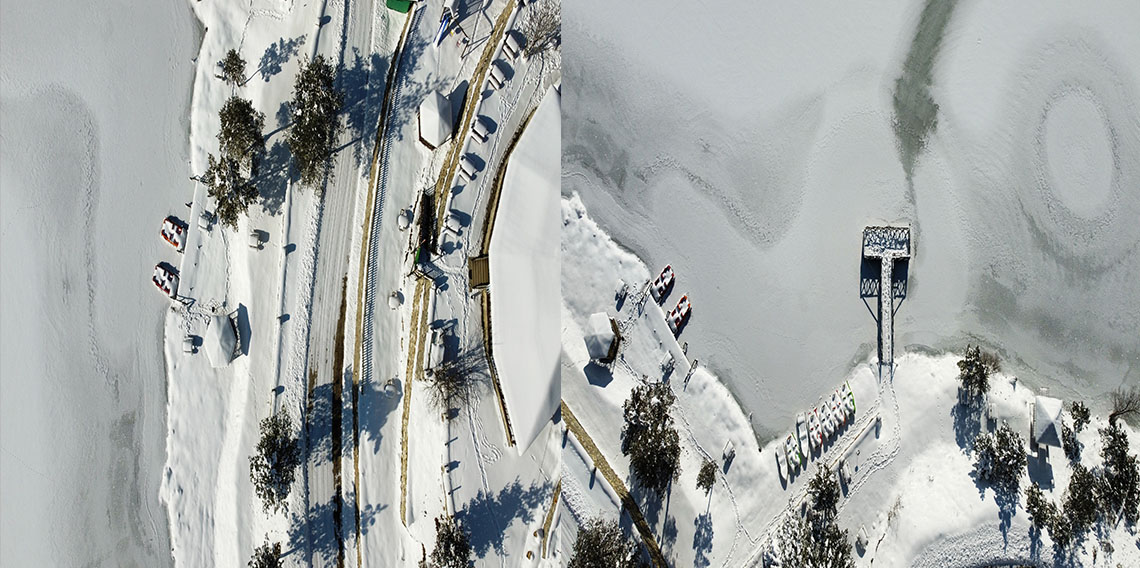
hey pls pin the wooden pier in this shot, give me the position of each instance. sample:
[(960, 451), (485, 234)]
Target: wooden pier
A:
[(886, 243)]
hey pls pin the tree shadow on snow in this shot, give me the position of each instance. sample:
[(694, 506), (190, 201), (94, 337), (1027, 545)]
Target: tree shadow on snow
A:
[(376, 403), (702, 540), (319, 424), (1006, 498), (274, 176), (967, 416), (315, 531), (489, 515), (362, 82), (278, 54)]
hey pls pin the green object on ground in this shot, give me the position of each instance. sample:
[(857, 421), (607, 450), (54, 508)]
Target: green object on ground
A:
[(401, 6)]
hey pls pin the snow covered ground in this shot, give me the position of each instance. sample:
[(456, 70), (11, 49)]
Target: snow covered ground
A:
[(758, 149), (93, 156), (751, 155), (906, 448)]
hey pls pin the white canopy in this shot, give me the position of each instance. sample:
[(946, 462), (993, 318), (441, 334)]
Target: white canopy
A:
[(599, 335), (1047, 421), (523, 268), (220, 341), (435, 119)]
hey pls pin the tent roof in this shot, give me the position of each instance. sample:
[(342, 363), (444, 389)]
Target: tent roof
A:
[(435, 119), (599, 335), (220, 341), (1047, 421)]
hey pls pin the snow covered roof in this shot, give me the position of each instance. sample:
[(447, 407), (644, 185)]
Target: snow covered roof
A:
[(525, 269), (220, 341), (599, 336), (1047, 421), (435, 119)]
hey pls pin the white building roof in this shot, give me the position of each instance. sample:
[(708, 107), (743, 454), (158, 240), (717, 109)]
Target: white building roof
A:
[(525, 270), (599, 335), (221, 341), (1047, 421), (435, 119)]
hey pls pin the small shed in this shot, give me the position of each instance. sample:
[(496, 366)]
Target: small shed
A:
[(602, 337), (435, 120), (1046, 422), (479, 272), (221, 341)]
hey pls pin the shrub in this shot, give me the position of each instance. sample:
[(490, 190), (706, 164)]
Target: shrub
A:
[(601, 544)]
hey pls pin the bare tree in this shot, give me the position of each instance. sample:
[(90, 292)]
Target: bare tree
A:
[(455, 380), (1125, 402), (542, 27)]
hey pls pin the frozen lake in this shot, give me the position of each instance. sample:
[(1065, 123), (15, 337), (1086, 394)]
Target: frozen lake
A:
[(750, 155), (94, 149)]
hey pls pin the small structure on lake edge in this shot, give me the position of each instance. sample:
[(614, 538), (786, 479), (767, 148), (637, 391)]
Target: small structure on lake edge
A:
[(887, 244), (602, 337)]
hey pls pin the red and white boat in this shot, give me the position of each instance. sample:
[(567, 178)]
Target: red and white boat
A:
[(166, 279), (677, 317), (174, 231), (661, 285)]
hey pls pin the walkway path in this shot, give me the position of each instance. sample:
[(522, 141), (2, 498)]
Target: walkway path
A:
[(617, 484)]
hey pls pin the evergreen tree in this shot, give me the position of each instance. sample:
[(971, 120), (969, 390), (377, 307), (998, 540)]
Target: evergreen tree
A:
[(1040, 509), (452, 545), (274, 464), (601, 544), (240, 137), (229, 187), (707, 476), (1080, 414), (233, 68), (266, 556), (649, 438), (1080, 500), (1000, 458), (824, 491), (974, 371), (316, 104), (1120, 486), (1070, 443)]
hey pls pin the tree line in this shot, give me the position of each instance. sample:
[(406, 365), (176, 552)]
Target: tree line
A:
[(314, 110)]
